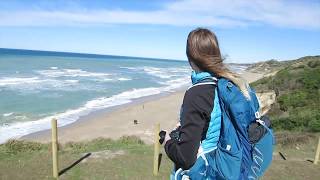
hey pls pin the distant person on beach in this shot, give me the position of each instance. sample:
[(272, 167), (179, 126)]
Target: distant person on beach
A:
[(200, 110)]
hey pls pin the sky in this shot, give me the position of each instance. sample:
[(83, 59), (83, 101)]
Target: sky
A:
[(247, 30)]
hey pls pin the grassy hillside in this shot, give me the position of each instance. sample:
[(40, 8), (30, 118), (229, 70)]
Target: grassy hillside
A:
[(268, 66), (297, 87)]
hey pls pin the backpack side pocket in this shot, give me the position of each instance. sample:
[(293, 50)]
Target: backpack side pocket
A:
[(262, 155)]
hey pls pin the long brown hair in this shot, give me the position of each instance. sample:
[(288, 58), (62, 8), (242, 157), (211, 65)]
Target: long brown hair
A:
[(203, 50)]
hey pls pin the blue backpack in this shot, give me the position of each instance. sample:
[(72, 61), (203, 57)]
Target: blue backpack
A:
[(235, 157)]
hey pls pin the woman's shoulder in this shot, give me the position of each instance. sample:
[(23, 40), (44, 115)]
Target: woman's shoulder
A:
[(198, 89), (198, 92)]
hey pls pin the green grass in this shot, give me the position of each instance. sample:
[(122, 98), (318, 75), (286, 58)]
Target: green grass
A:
[(28, 160)]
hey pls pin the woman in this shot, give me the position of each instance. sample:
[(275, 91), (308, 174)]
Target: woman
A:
[(200, 109)]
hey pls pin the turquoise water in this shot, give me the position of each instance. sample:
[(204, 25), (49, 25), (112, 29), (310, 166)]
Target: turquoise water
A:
[(36, 86)]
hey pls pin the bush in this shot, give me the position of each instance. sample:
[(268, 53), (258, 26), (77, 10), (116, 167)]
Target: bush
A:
[(293, 100), (130, 140), (314, 125), (314, 63), (16, 146), (311, 79)]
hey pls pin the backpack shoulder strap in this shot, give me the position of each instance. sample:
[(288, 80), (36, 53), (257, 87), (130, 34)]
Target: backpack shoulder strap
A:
[(209, 80), (239, 109)]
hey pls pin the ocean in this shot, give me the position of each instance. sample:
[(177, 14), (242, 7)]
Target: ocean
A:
[(36, 86)]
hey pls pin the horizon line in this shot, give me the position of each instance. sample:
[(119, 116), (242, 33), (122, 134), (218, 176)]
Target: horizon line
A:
[(95, 55)]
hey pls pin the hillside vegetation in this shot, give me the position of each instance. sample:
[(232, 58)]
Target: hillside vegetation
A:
[(296, 85), (268, 66), (130, 158), (126, 158)]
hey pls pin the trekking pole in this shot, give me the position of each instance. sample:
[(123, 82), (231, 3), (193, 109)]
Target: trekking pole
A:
[(316, 158), (54, 138), (156, 150)]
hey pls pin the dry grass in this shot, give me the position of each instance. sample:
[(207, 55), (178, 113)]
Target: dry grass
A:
[(129, 158)]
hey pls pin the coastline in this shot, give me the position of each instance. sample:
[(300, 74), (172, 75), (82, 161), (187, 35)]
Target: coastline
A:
[(118, 121)]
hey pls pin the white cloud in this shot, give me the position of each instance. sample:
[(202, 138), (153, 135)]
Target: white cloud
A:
[(223, 13)]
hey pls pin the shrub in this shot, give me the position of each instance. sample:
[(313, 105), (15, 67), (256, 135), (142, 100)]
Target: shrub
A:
[(293, 100), (130, 140), (314, 125), (314, 63), (16, 146)]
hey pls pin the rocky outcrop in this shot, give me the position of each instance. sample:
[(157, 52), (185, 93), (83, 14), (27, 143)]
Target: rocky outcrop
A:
[(266, 99)]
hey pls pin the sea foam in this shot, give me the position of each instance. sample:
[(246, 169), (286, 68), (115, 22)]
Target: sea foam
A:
[(36, 84), (7, 81), (71, 73), (7, 114)]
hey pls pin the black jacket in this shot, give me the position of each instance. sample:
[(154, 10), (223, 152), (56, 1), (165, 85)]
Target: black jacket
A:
[(195, 117)]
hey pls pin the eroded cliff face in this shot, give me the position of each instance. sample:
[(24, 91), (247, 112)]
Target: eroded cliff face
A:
[(266, 99)]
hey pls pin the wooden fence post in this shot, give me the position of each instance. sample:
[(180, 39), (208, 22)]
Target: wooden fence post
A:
[(156, 150), (54, 138), (316, 158)]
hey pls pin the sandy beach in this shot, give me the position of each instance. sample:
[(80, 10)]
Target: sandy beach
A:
[(119, 121)]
